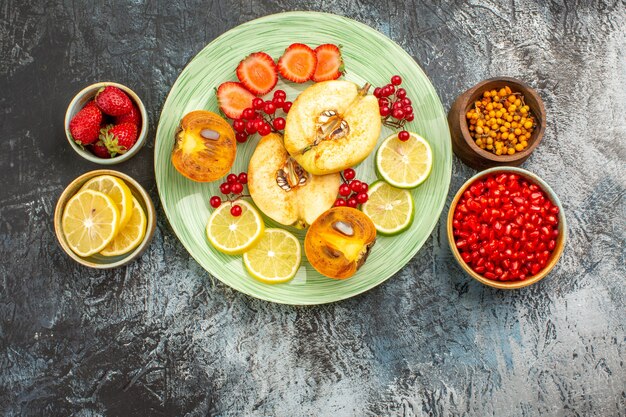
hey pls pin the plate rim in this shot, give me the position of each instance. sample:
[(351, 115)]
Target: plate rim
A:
[(448, 173)]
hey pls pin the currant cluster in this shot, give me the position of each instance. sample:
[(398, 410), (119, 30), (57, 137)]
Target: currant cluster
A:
[(395, 106), (352, 191), (261, 117), (233, 190)]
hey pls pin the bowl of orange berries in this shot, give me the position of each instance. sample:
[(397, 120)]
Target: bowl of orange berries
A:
[(499, 121)]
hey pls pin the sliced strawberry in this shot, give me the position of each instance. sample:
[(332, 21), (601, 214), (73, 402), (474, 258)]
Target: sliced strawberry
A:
[(233, 99), (258, 73), (329, 63), (297, 63)]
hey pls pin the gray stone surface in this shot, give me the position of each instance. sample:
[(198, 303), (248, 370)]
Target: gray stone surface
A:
[(162, 337)]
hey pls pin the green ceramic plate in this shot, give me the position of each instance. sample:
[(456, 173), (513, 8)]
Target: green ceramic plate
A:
[(369, 56)]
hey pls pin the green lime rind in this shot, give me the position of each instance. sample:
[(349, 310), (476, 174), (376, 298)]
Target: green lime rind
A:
[(366, 208), (381, 174)]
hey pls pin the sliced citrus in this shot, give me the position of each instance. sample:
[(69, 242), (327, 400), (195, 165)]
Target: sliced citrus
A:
[(117, 189), (90, 222), (275, 259), (234, 235), (131, 235), (391, 209), (404, 164)]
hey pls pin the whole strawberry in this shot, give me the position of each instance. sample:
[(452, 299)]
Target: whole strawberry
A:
[(113, 101), (133, 116), (100, 150), (119, 138), (85, 125)]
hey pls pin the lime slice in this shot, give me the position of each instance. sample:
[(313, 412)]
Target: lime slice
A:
[(275, 259), (235, 235), (391, 209), (404, 164), (129, 237), (90, 222)]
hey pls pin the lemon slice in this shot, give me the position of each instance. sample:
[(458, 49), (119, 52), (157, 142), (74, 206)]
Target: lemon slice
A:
[(234, 235), (117, 189), (391, 209), (404, 164), (131, 235), (275, 259), (90, 222)]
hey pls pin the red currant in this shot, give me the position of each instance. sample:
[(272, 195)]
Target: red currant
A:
[(349, 174), (257, 103), (279, 123), (269, 107), (248, 113), (241, 137), (225, 188), (355, 185), (352, 202), (384, 101), (340, 202), (409, 117), (401, 93), (396, 80), (406, 101), (385, 111), (231, 179), (215, 201), (377, 92), (243, 178), (278, 102), (239, 125), (287, 106), (404, 136), (391, 89), (251, 127), (398, 114), (364, 187), (236, 188), (235, 210), (408, 109), (361, 198), (280, 94), (344, 190), (265, 129)]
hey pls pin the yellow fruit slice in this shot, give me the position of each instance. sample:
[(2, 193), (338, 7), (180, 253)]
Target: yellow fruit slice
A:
[(131, 235), (117, 189), (235, 235), (404, 164), (391, 209), (90, 222), (275, 259)]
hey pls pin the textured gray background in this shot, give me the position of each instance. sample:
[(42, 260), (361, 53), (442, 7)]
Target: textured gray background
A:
[(162, 337)]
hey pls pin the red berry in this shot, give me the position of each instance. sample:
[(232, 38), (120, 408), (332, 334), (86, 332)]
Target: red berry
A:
[(401, 93), (361, 198), (265, 129), (243, 178), (257, 103), (239, 125), (377, 92), (235, 210), (404, 136), (407, 109), (384, 111), (241, 137), (236, 188), (396, 80), (391, 89), (251, 127), (278, 102), (355, 185), (279, 123), (225, 188), (231, 179), (269, 107), (113, 101), (248, 113), (406, 102), (280, 94), (352, 202), (349, 173), (409, 117), (364, 187), (85, 125), (398, 114), (344, 190), (99, 149), (287, 106), (215, 201), (340, 202)]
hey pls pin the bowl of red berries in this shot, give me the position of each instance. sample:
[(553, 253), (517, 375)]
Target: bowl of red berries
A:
[(506, 228), (106, 123)]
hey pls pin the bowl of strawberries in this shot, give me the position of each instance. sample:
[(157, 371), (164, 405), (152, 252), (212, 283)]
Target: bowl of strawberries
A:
[(106, 123)]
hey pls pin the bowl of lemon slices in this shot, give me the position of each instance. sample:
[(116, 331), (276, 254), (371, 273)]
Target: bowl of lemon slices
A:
[(104, 219)]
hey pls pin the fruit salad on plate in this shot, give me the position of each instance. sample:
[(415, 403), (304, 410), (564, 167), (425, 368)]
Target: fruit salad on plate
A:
[(301, 173)]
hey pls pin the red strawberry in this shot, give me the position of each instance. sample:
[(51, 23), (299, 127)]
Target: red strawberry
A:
[(100, 150), (119, 138), (133, 116), (297, 63), (329, 63), (113, 101), (233, 99), (258, 73), (85, 125)]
